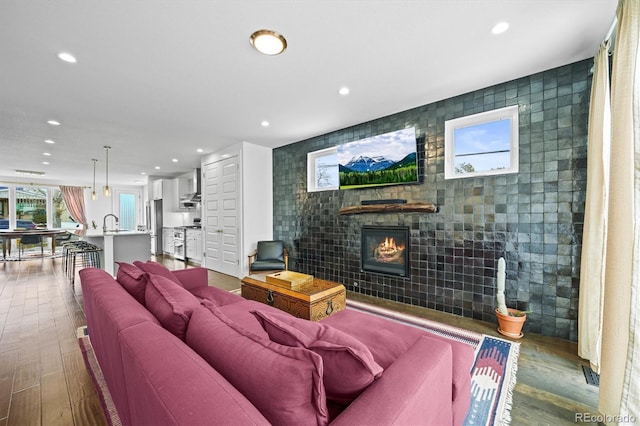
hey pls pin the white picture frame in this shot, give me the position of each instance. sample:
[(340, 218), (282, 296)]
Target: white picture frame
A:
[(482, 144)]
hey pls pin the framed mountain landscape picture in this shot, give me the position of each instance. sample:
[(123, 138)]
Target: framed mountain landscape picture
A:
[(387, 159)]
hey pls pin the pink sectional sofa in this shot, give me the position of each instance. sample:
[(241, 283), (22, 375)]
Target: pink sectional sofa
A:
[(176, 351)]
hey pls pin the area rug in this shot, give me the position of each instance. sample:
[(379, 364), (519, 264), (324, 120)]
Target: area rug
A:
[(91, 363), (493, 375), (30, 255)]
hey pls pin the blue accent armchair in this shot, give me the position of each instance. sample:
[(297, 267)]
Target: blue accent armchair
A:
[(269, 256)]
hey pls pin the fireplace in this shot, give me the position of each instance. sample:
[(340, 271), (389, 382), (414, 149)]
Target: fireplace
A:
[(385, 250)]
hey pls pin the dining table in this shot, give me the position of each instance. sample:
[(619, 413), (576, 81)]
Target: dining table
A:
[(7, 235)]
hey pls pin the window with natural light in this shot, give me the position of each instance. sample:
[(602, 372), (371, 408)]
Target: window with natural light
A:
[(31, 205), (127, 218), (482, 144), (4, 202), (60, 215), (322, 170)]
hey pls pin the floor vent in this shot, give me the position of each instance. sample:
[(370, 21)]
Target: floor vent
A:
[(591, 376)]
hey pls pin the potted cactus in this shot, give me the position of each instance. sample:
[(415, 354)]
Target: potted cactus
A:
[(510, 321)]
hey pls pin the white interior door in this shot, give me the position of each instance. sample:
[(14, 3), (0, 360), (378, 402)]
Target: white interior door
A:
[(222, 226)]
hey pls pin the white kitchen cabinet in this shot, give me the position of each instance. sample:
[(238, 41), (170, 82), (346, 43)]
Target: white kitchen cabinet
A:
[(194, 245), (167, 241), (181, 186), (162, 189), (156, 189)]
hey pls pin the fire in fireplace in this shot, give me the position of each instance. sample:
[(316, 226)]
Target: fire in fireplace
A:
[(385, 250)]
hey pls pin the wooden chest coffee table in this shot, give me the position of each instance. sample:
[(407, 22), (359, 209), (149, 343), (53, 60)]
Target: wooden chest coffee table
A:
[(314, 300)]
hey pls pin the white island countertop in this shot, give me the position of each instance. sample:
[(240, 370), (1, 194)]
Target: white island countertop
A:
[(97, 233), (120, 246)]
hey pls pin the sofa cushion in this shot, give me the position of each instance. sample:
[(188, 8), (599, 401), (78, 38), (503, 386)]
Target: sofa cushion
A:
[(157, 269), (349, 367), (217, 295), (284, 383), (170, 303), (387, 340), (153, 359), (133, 279)]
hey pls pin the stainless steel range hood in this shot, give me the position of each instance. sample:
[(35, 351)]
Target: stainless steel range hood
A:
[(192, 198)]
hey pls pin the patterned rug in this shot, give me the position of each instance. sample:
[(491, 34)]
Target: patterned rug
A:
[(30, 254), (493, 375), (91, 363)]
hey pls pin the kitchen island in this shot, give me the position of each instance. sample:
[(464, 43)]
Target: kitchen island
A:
[(120, 246)]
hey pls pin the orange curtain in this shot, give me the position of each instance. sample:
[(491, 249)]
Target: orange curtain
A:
[(74, 199)]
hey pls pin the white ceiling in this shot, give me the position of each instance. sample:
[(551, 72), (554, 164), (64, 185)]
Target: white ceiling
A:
[(157, 79)]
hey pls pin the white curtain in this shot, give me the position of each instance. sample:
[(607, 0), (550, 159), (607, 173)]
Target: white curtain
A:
[(594, 242), (620, 361)]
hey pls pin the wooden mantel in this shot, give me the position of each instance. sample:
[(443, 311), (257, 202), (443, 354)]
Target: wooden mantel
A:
[(390, 208)]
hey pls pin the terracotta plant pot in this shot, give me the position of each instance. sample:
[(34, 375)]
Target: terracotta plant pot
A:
[(511, 326)]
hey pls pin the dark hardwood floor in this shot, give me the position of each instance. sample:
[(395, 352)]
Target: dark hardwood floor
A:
[(43, 380)]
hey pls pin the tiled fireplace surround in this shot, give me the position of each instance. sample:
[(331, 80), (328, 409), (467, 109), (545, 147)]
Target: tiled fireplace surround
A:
[(533, 218)]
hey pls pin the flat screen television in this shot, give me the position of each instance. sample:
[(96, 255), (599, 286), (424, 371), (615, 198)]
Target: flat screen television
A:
[(387, 159)]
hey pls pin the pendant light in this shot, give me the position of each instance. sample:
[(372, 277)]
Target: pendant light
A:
[(93, 191), (107, 190)]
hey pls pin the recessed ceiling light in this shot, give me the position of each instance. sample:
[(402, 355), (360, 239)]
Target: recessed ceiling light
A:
[(45, 163), (500, 28), (48, 154), (157, 167), (143, 173), (175, 160), (67, 57), (49, 141), (265, 123), (268, 42), (199, 150), (54, 122), (344, 91)]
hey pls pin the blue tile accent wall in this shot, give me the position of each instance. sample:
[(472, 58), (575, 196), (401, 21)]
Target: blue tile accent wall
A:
[(534, 218)]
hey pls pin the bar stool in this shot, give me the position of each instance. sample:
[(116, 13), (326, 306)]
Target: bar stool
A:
[(79, 254)]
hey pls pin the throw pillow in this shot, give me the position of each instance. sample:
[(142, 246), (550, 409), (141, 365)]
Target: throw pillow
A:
[(349, 367), (133, 279), (172, 305), (283, 383), (158, 269)]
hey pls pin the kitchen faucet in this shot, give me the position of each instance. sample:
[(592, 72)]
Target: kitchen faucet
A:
[(104, 221)]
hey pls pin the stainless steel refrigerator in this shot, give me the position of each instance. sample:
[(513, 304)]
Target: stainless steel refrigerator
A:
[(155, 225)]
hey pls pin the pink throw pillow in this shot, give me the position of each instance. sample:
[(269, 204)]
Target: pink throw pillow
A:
[(158, 269), (172, 305), (349, 367), (133, 279), (283, 383)]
